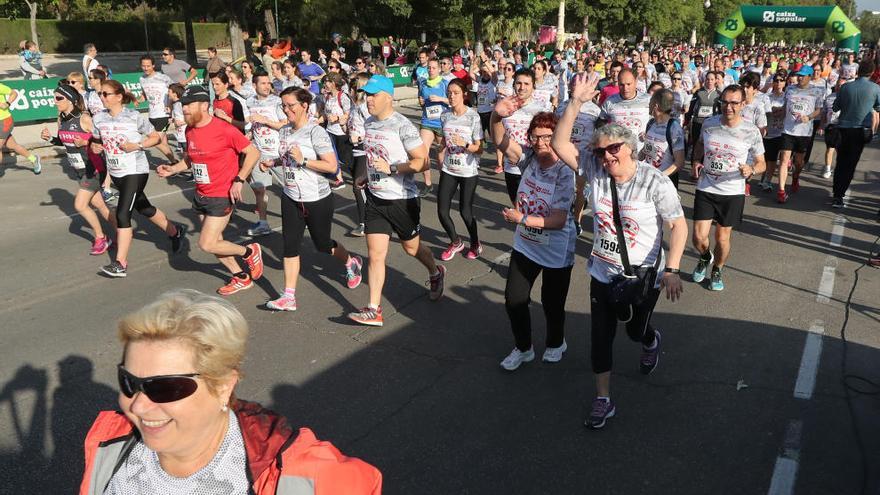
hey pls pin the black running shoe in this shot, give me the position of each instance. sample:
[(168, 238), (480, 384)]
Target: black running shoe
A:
[(114, 269), (177, 239)]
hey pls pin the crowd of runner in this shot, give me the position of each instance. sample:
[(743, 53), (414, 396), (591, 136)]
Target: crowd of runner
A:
[(604, 128)]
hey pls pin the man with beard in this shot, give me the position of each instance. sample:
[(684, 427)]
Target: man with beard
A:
[(213, 147)]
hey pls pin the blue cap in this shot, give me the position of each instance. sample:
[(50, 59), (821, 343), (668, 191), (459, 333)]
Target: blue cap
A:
[(378, 83), (737, 63), (806, 70)]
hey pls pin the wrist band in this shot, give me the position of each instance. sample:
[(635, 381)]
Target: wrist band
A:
[(672, 270)]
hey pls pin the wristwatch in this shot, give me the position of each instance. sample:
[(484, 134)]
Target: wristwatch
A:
[(672, 270), (237, 179), (392, 168)]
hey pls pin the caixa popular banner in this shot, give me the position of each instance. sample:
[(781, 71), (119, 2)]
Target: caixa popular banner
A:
[(36, 97)]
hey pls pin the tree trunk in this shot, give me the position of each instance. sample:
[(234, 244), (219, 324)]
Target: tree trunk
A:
[(477, 20), (560, 26), (235, 40), (270, 24), (32, 6), (189, 35)]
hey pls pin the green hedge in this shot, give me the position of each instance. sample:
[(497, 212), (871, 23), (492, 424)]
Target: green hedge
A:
[(70, 36)]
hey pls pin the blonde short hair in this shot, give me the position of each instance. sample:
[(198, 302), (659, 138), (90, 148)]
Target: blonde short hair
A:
[(76, 76), (212, 327)]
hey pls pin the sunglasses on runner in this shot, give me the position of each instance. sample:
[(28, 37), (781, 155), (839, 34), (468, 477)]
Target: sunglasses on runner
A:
[(160, 389), (105, 94), (59, 98), (614, 149)]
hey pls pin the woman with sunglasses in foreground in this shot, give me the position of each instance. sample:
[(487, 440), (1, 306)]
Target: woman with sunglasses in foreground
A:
[(121, 134), (182, 430), (545, 236), (647, 199), (74, 132)]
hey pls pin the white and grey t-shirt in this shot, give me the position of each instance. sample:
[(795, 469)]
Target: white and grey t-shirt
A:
[(656, 152), (356, 130), (128, 125), (517, 127), (545, 91), (632, 114), (725, 150), (542, 191), (264, 137), (775, 123), (337, 104), (155, 90), (646, 201), (800, 101), (584, 124), (390, 140), (226, 473), (300, 183), (457, 160), (485, 96)]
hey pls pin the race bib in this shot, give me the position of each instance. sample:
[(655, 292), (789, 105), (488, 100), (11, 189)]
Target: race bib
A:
[(290, 177), (267, 141), (434, 112), (455, 163), (482, 100), (76, 161), (200, 173), (704, 112), (607, 247), (122, 164), (577, 131), (534, 235), (799, 107)]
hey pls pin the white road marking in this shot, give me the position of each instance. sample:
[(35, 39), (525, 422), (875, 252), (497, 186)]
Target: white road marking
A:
[(786, 468), (826, 284), (837, 230), (806, 380)]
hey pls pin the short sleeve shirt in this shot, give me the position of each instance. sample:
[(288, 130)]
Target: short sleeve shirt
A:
[(517, 128), (801, 101), (542, 191), (265, 138), (338, 105), (390, 139), (584, 124), (656, 152), (301, 183), (457, 160), (5, 91), (213, 151), (545, 91), (155, 88), (128, 125), (178, 70), (632, 114), (646, 201), (725, 150)]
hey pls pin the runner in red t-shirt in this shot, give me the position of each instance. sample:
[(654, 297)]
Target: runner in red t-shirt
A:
[(212, 151)]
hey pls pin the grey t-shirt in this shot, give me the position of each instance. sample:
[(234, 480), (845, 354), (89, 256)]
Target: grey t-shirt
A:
[(632, 114), (178, 70), (646, 201), (225, 474), (390, 139)]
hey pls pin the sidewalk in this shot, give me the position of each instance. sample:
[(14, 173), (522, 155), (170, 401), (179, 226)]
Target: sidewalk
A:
[(28, 135)]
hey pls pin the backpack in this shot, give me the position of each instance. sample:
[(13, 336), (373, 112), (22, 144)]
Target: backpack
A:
[(668, 130)]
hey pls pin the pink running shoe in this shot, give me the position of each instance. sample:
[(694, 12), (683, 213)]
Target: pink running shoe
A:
[(100, 246), (453, 249), (474, 251)]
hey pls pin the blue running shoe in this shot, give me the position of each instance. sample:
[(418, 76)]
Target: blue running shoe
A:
[(702, 265), (716, 283)]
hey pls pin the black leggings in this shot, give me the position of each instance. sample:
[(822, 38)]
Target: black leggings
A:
[(466, 187), (359, 169), (603, 317), (521, 277), (132, 197), (296, 216), (512, 182), (342, 144)]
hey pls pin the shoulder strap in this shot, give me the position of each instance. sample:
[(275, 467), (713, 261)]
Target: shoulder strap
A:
[(669, 133), (618, 226)]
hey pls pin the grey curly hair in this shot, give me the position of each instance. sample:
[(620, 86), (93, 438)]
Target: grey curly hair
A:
[(617, 133)]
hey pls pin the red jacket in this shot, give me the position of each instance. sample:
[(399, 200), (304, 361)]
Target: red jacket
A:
[(280, 460)]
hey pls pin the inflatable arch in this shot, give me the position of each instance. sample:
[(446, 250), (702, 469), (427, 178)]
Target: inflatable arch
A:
[(831, 18)]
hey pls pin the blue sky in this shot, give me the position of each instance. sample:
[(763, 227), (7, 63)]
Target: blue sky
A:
[(868, 5)]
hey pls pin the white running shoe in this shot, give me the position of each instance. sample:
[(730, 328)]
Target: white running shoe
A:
[(554, 354), (517, 357), (826, 174)]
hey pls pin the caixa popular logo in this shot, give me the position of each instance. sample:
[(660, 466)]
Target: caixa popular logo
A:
[(404, 71), (769, 16), (838, 27)]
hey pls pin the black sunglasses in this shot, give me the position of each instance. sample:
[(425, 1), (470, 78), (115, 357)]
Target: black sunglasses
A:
[(106, 93), (614, 149), (159, 389)]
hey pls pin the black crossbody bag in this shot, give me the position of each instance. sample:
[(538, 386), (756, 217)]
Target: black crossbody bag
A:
[(631, 288)]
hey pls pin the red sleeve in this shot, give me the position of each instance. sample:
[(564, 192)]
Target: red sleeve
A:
[(235, 138)]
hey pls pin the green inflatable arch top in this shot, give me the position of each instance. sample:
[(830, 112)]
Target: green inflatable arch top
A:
[(831, 18)]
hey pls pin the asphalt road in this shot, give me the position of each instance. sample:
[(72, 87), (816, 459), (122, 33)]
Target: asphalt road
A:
[(424, 398)]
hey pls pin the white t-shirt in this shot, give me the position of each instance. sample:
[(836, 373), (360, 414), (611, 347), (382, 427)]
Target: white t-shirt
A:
[(89, 64), (485, 96), (545, 91), (94, 103), (756, 111), (775, 124), (646, 201), (584, 124), (457, 160), (725, 150), (359, 114), (801, 101), (337, 104), (848, 71), (631, 114), (503, 89), (517, 127), (390, 139), (155, 90), (300, 183), (656, 152), (179, 122), (265, 138), (542, 191), (681, 100), (129, 125), (831, 117)]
